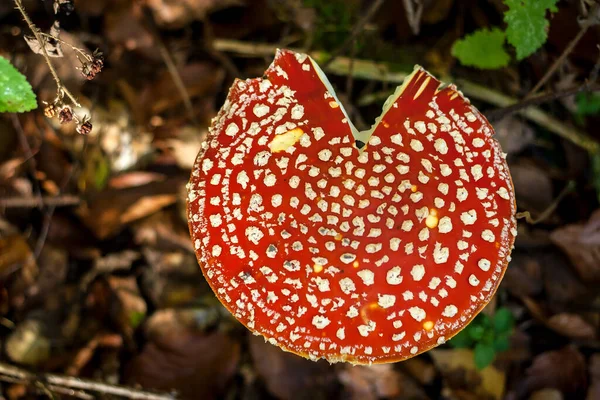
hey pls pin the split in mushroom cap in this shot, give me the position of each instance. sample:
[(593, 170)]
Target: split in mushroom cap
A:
[(328, 251)]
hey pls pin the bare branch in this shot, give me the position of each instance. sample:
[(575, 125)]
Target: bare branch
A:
[(52, 382)]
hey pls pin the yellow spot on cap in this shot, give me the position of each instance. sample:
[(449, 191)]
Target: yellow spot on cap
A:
[(333, 104), (355, 264), (428, 325), (385, 124), (338, 236), (317, 268), (285, 140), (413, 188), (432, 219), (423, 86)]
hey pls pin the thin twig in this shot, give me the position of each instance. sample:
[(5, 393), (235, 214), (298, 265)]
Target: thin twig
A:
[(171, 67), (550, 209), (220, 56), (413, 16), (31, 164), (75, 48), (39, 202), (11, 373), (365, 69), (585, 25), (356, 30), (59, 86), (498, 114)]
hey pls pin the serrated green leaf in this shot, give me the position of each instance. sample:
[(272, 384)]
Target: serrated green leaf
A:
[(482, 49), (503, 320), (527, 28), (16, 94), (484, 355)]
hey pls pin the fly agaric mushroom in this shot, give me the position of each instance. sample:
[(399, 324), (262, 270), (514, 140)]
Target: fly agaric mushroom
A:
[(328, 250)]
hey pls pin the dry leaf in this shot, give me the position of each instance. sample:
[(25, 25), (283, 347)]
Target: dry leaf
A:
[(594, 389), (52, 46), (290, 377), (562, 369), (572, 325), (371, 382), (177, 357), (581, 242), (28, 344), (483, 383), (111, 209), (175, 14)]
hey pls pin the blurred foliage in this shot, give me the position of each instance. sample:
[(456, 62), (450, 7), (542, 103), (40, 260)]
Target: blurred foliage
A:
[(486, 336), (334, 23)]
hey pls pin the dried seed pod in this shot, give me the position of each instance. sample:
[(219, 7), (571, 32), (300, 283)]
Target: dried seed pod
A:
[(65, 115), (51, 110), (85, 128)]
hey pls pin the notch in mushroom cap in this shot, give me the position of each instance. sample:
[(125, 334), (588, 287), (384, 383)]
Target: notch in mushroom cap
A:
[(366, 256)]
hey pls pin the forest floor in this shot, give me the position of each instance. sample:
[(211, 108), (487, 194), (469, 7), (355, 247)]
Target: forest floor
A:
[(98, 276)]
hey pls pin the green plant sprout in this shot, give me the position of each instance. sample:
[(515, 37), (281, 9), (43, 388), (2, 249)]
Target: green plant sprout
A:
[(486, 336)]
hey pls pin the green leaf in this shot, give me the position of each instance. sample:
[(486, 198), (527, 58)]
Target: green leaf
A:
[(476, 331), (502, 343), (136, 318), (482, 49), (503, 320), (587, 103), (484, 355), (462, 340), (595, 161), (527, 28), (16, 94)]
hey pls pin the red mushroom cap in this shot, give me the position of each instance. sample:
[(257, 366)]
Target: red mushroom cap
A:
[(328, 251)]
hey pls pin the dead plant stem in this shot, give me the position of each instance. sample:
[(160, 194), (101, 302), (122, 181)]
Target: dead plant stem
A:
[(61, 89), (11, 373)]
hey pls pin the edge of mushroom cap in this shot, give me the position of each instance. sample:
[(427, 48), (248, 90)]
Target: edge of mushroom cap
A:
[(347, 357)]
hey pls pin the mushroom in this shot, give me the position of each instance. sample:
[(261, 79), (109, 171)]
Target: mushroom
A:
[(365, 247)]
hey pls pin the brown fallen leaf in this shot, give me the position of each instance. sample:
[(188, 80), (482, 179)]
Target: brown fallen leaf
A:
[(594, 389), (180, 358), (134, 178), (581, 242), (376, 382), (533, 187), (186, 147), (131, 308), (562, 369), (546, 394), (572, 325), (420, 369), (458, 367), (28, 343), (172, 278), (161, 94), (290, 377), (175, 14), (52, 47), (108, 212)]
